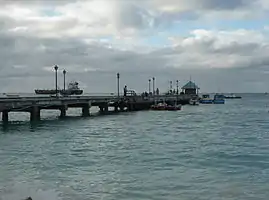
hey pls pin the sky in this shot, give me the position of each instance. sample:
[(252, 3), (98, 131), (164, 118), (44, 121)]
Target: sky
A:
[(223, 46)]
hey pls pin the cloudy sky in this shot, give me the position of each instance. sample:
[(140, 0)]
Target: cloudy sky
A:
[(222, 44)]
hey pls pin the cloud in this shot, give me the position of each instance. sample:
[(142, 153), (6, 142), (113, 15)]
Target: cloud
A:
[(95, 39)]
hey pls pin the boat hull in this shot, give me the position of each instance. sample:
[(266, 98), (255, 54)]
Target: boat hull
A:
[(206, 101), (233, 97), (219, 101), (62, 92), (45, 91), (168, 107), (71, 92), (194, 102)]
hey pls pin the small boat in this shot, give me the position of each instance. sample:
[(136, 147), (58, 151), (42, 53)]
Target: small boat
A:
[(232, 96), (206, 99), (173, 107), (194, 101), (219, 99), (159, 106), (164, 106)]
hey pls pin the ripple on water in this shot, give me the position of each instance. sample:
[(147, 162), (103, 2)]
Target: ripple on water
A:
[(204, 152)]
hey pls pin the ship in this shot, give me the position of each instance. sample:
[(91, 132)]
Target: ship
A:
[(45, 91), (72, 89)]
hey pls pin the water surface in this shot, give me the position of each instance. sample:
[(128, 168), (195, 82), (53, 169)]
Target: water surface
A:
[(200, 153)]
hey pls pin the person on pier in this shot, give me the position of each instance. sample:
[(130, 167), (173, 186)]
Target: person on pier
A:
[(125, 90)]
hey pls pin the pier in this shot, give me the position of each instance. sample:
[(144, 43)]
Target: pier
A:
[(34, 105)]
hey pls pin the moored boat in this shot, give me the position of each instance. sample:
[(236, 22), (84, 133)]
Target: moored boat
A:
[(232, 96), (164, 106), (219, 99), (194, 101), (205, 99)]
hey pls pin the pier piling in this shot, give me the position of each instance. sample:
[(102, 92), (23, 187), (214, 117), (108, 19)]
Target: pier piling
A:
[(34, 105), (35, 113), (63, 111), (86, 110), (5, 116)]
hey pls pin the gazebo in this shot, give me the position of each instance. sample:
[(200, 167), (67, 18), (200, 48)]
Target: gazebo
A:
[(190, 88)]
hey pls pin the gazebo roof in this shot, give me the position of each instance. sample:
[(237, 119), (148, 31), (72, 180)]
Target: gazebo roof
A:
[(190, 85)]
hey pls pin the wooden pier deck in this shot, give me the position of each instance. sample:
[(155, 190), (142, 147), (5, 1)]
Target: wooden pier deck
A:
[(34, 105)]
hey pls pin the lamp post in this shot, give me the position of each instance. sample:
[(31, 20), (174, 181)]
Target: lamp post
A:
[(64, 72), (171, 87), (56, 70), (153, 85), (177, 86), (177, 90), (149, 85), (118, 84)]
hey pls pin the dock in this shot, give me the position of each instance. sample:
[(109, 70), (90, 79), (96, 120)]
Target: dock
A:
[(34, 105)]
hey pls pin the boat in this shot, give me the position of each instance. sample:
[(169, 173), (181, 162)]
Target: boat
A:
[(232, 96), (45, 91), (173, 107), (205, 99), (194, 101), (164, 106), (72, 89), (219, 99)]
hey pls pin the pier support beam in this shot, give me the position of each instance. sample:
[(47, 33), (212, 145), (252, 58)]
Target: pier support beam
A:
[(121, 108), (5, 116), (35, 113), (130, 107), (63, 110), (106, 109), (86, 110), (101, 109)]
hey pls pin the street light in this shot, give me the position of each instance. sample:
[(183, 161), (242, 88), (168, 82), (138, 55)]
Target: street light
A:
[(118, 84), (177, 90), (149, 85), (171, 87), (64, 72), (56, 70), (177, 86), (153, 85)]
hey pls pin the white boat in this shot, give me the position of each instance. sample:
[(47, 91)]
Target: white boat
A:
[(194, 101), (232, 96)]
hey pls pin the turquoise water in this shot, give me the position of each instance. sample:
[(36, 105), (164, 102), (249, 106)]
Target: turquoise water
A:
[(200, 153)]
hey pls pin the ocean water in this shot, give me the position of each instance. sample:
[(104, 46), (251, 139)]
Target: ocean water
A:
[(218, 152)]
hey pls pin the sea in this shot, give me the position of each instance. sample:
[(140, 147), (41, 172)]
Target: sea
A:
[(205, 152)]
